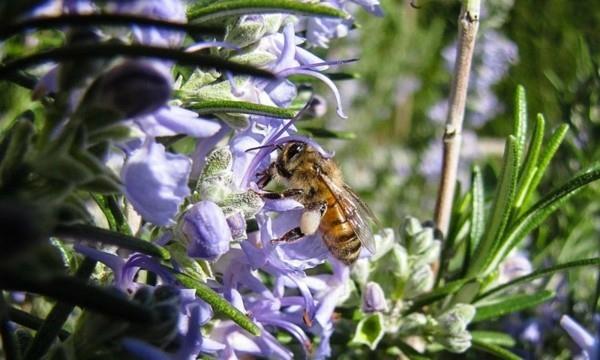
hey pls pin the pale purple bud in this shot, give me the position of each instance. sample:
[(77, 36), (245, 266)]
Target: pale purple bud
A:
[(583, 339), (205, 229), (156, 182), (373, 299)]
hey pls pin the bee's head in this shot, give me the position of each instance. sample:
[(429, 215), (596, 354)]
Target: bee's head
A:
[(291, 156)]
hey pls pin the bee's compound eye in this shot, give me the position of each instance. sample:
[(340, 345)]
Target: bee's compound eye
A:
[(294, 150)]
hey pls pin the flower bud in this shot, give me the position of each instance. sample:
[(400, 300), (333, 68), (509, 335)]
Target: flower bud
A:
[(237, 225), (430, 255), (215, 181), (457, 343), (412, 324), (412, 226), (420, 281), (455, 320), (248, 203), (251, 28), (421, 241), (205, 230), (373, 298)]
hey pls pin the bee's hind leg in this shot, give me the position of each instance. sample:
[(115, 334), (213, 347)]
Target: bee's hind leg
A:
[(290, 236), (309, 223)]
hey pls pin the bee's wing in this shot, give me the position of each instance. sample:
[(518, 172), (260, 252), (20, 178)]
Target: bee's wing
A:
[(356, 211)]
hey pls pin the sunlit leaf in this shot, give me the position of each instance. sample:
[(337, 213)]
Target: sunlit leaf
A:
[(201, 12), (510, 304)]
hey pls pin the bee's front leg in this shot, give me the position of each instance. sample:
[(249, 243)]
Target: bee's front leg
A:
[(309, 223), (282, 195)]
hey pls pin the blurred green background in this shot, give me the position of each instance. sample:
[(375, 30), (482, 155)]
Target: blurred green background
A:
[(397, 113)]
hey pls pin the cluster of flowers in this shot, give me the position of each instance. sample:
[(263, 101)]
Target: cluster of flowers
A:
[(210, 218), (393, 279)]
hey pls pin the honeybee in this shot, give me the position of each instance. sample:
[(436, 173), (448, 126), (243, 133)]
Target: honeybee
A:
[(331, 207)]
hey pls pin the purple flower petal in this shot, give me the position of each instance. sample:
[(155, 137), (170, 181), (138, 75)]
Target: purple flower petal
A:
[(205, 227), (156, 182), (174, 120)]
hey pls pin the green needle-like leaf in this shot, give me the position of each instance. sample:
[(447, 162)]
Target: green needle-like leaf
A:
[(540, 211), (76, 291), (57, 317), (201, 12), (493, 338), (510, 304), (501, 210), (87, 20), (219, 304), (545, 157), (541, 273), (110, 50), (529, 167), (241, 107), (520, 126), (477, 212), (92, 233), (495, 350), (26, 319)]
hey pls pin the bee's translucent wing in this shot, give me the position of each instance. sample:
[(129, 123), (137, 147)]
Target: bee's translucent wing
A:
[(356, 211)]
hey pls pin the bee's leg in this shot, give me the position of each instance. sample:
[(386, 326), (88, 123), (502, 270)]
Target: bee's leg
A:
[(290, 236), (282, 195), (266, 176), (309, 223)]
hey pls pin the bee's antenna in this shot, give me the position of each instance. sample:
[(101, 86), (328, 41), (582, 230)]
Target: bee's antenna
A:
[(278, 146)]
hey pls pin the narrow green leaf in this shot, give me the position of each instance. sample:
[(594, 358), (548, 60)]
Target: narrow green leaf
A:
[(545, 157), (520, 125), (510, 304), (69, 289), (26, 319), (111, 50), (477, 211), (530, 165), (201, 12), (241, 107), (494, 338), (369, 331), (327, 134), (436, 294), (501, 210), (219, 304), (540, 211), (541, 273), (57, 317), (18, 143), (87, 20), (91, 233), (495, 350)]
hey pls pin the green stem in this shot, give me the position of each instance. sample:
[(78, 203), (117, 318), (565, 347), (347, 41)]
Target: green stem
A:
[(27, 320), (57, 317), (110, 50), (219, 304), (87, 20), (91, 233)]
